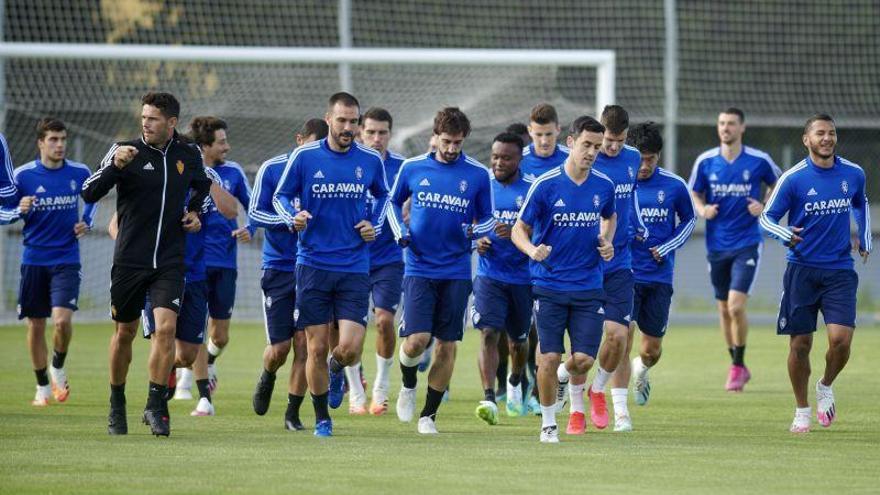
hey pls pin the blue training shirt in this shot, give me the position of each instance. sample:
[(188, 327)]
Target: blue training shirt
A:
[(194, 254), (48, 233), (220, 246), (385, 249), (504, 262), (7, 184), (820, 201), (533, 166), (661, 198), (446, 199), (566, 217), (279, 243), (622, 170), (729, 185), (332, 187)]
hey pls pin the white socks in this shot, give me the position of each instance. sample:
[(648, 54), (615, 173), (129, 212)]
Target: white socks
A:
[(548, 416), (383, 366), (803, 411), (407, 361), (562, 374), (601, 379), (356, 393), (213, 349), (576, 395), (618, 398)]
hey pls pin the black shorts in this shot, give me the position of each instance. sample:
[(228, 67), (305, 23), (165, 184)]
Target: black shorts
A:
[(129, 287)]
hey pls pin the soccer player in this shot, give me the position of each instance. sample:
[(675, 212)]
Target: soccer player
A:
[(620, 163), (819, 194), (566, 226), (278, 283), (7, 185), (331, 178), (726, 186), (210, 134), (189, 335), (502, 287), (386, 278), (47, 190), (152, 176), (451, 206), (544, 153), (667, 210)]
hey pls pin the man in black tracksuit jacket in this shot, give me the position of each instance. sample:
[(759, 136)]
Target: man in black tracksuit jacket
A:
[(153, 176)]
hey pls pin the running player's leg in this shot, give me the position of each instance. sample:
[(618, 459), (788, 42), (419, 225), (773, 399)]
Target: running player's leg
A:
[(297, 384), (448, 329), (64, 288), (620, 384), (221, 299), (586, 321), (552, 319), (351, 305), (742, 277), (798, 313), (279, 297), (190, 337), (489, 315), (34, 305), (314, 308), (838, 306), (420, 298), (720, 272), (655, 300), (518, 323), (503, 368)]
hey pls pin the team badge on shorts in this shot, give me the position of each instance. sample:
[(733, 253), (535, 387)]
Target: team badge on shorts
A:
[(462, 186), (844, 186), (661, 196), (268, 302), (359, 173), (180, 167)]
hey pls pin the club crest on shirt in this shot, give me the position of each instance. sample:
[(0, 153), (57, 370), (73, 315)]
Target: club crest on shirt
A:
[(180, 167), (519, 201), (844, 186), (596, 200), (661, 196), (462, 186), (359, 173), (72, 185), (227, 185), (632, 175), (746, 175)]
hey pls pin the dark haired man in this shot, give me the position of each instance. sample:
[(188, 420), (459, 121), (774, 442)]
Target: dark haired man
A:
[(566, 226), (451, 206), (153, 176), (544, 153), (665, 206), (502, 287), (47, 191), (331, 178), (819, 194), (726, 186)]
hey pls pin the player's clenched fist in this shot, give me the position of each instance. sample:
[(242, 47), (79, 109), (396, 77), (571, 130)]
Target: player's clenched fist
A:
[(368, 233), (710, 212), (540, 253), (301, 220), (123, 156), (26, 203), (483, 245), (606, 249)]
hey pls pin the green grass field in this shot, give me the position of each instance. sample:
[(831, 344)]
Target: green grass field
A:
[(693, 437)]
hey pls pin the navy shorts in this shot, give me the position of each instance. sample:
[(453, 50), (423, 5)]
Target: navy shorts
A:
[(386, 285), (651, 302), (323, 295), (579, 312), (734, 270), (129, 288), (192, 318), (221, 292), (434, 306), (618, 286), (279, 302), (807, 290), (45, 287), (502, 306)]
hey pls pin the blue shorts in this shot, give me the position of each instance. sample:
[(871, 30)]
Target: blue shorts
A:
[(221, 291), (434, 306), (502, 307), (45, 287), (734, 270), (806, 290), (279, 301), (323, 295), (651, 302), (386, 285), (192, 318), (580, 312), (618, 287)]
